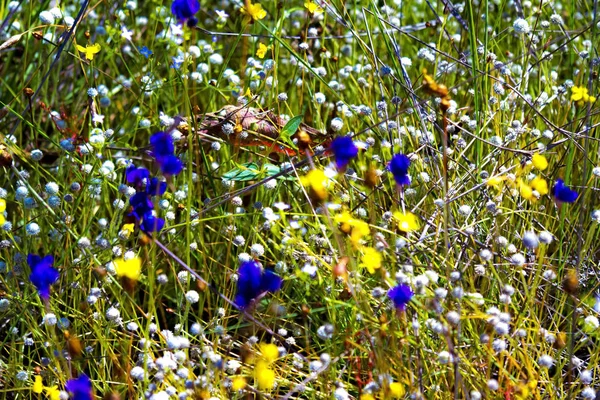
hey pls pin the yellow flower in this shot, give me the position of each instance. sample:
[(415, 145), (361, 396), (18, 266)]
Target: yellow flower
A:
[(526, 191), (264, 377), (371, 259), (52, 392), (2, 205), (312, 7), (269, 351), (262, 50), (407, 221), (38, 386), (129, 268), (238, 383), (254, 11), (89, 50), (128, 227), (540, 185), (539, 162), (367, 396), (397, 389), (495, 180), (580, 96), (317, 182), (356, 227)]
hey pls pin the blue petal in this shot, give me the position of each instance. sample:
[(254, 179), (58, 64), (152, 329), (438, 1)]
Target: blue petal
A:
[(270, 282), (150, 223), (156, 187), (170, 165), (400, 295), (344, 150), (162, 144), (398, 166), (33, 260)]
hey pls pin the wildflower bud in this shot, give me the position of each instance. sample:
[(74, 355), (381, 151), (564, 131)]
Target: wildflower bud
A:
[(341, 268), (561, 341), (571, 282), (28, 92), (371, 178), (6, 159)]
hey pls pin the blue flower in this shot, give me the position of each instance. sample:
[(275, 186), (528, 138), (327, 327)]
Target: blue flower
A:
[(400, 296), (150, 223), (43, 274), (399, 168), (80, 388), (141, 204), (562, 193), (136, 175), (156, 187), (145, 51), (170, 165), (184, 11), (344, 150), (162, 144), (254, 281)]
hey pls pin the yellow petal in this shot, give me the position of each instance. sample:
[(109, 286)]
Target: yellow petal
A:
[(269, 351), (238, 383), (495, 180), (539, 162), (2, 205), (52, 393), (264, 376), (80, 48), (371, 259), (261, 51), (526, 191), (38, 386), (312, 7), (407, 221), (397, 389), (131, 268), (540, 185)]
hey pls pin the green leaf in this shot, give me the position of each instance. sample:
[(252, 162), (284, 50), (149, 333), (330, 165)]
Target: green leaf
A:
[(289, 129), (246, 172)]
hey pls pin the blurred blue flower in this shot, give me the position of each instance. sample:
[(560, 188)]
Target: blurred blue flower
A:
[(562, 193), (136, 176), (162, 144), (400, 296), (156, 187), (43, 274), (170, 165), (399, 168), (184, 11), (80, 388), (344, 150), (141, 204), (145, 51), (254, 281), (151, 223)]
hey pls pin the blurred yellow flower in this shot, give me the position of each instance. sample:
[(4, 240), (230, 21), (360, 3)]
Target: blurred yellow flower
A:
[(539, 162), (38, 386), (131, 268), (526, 191), (316, 181), (371, 259), (89, 50), (367, 396), (397, 389), (128, 227), (580, 95), (52, 392), (495, 180), (540, 185), (312, 7), (407, 221), (238, 383), (254, 11), (264, 377), (269, 351), (356, 227), (261, 51), (2, 205)]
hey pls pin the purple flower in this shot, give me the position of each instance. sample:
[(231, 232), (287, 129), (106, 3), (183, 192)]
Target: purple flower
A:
[(80, 388), (170, 165), (562, 193), (399, 168), (254, 281), (344, 150), (136, 176), (43, 274), (150, 223), (400, 295), (184, 10)]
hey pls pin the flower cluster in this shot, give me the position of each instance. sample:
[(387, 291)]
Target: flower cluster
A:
[(141, 201), (163, 150)]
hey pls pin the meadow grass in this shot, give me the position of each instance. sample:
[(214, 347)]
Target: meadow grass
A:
[(492, 103)]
